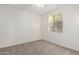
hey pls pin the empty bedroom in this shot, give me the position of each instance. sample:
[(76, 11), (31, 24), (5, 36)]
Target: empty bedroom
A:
[(39, 29)]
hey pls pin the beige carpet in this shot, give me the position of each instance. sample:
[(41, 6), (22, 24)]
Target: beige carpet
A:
[(39, 47)]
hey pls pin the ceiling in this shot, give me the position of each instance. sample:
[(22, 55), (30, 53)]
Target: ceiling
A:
[(32, 8)]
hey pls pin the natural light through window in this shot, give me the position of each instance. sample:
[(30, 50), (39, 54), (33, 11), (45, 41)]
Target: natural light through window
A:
[(55, 23)]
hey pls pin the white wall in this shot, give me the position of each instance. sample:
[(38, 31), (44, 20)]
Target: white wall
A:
[(70, 36), (17, 27)]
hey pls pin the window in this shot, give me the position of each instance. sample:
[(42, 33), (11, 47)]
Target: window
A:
[(55, 23)]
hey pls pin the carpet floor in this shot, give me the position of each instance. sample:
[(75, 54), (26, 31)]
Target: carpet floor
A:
[(39, 47)]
